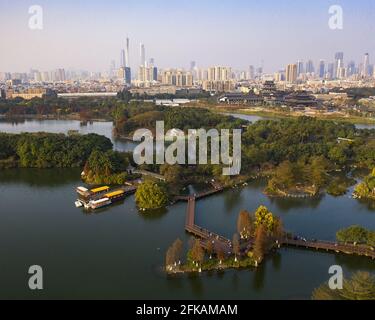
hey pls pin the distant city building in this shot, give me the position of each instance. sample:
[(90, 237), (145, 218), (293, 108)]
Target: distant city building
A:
[(291, 73), (219, 73), (351, 69), (300, 68), (339, 63), (218, 86), (366, 64), (322, 69), (177, 77), (251, 72), (29, 94), (309, 67), (143, 55)]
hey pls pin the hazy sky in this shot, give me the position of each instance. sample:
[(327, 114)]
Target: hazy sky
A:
[(88, 34)]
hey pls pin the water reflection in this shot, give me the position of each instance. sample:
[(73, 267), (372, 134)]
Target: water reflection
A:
[(39, 177), (288, 204)]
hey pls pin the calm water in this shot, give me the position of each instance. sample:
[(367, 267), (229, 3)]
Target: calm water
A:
[(117, 252), (63, 126)]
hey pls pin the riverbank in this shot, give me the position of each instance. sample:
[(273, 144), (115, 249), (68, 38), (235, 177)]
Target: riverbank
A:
[(212, 264), (266, 113), (73, 116)]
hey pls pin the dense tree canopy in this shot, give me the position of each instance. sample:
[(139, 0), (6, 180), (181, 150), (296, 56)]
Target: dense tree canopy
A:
[(361, 286), (49, 150), (151, 195)]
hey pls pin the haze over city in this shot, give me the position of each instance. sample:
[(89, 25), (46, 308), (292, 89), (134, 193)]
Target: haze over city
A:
[(88, 35)]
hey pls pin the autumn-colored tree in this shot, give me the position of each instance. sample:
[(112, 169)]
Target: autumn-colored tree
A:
[(220, 254), (170, 257), (264, 217), (278, 229), (236, 245), (209, 248), (244, 224), (197, 252), (177, 247), (261, 243), (361, 286)]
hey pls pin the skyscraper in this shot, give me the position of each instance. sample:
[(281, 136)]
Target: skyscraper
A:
[(322, 69), (127, 63), (300, 68), (351, 68), (310, 67), (143, 55), (291, 73), (251, 72), (339, 63), (122, 58), (366, 64)]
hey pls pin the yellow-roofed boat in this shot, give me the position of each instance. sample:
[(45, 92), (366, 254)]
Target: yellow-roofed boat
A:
[(116, 195)]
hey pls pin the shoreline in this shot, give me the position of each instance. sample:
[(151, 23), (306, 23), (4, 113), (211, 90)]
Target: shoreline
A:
[(280, 115)]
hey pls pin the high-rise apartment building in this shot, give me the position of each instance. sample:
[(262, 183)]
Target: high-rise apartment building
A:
[(291, 73), (177, 77), (219, 73)]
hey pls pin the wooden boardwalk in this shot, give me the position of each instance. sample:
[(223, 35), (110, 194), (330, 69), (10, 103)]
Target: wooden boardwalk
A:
[(332, 247), (207, 236)]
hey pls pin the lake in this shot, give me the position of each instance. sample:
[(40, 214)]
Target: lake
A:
[(118, 252)]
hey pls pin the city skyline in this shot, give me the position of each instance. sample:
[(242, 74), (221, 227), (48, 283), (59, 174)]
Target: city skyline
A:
[(83, 42)]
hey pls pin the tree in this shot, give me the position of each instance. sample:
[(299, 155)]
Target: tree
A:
[(278, 229), (318, 169), (197, 252), (172, 173), (264, 217), (352, 234), (151, 195), (170, 257), (236, 245), (210, 248), (361, 286), (284, 175), (220, 254), (244, 224), (177, 247), (261, 243)]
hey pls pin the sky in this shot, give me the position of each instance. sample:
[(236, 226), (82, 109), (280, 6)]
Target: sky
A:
[(88, 34)]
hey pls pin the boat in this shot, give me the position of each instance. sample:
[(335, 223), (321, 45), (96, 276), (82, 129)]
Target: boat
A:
[(78, 204), (96, 204), (87, 194), (117, 195)]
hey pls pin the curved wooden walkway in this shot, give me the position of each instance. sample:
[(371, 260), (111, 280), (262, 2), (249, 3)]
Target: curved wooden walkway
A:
[(226, 245), (352, 249)]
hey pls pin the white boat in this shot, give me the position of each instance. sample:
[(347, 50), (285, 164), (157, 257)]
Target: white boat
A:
[(99, 203), (78, 204)]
